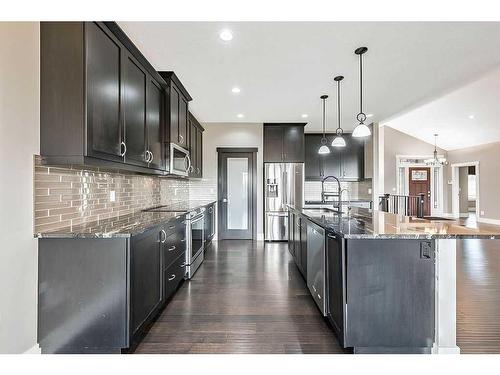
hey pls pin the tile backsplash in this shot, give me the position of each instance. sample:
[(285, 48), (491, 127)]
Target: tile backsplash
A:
[(357, 190), (66, 196)]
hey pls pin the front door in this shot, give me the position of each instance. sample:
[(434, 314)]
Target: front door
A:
[(420, 183), (237, 193)]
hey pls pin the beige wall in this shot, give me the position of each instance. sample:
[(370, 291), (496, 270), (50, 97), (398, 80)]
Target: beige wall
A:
[(488, 156), (19, 140), (464, 184), (229, 135), (398, 143)]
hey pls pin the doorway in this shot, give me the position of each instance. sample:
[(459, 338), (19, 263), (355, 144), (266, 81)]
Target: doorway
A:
[(237, 193), (465, 190), (420, 183)]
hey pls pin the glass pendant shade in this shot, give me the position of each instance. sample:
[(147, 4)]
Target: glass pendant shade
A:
[(361, 131), (435, 161), (338, 141), (324, 150)]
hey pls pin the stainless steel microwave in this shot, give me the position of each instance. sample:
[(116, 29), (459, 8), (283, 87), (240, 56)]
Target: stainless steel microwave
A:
[(180, 161)]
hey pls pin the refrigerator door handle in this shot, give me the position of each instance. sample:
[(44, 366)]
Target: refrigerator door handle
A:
[(285, 189)]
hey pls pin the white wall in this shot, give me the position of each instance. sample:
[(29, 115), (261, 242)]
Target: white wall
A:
[(229, 135), (19, 141)]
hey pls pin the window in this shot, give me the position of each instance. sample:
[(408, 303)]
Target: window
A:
[(471, 188)]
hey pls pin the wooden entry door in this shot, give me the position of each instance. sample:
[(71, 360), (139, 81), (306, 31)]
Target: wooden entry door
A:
[(420, 183)]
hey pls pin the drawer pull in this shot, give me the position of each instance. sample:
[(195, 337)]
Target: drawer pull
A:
[(171, 278), (332, 236), (163, 236), (171, 248), (182, 265), (183, 240), (171, 227)]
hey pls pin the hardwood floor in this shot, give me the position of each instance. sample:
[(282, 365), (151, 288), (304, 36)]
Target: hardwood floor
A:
[(247, 298), (478, 296)]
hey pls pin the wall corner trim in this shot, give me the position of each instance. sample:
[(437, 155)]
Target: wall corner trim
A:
[(35, 349)]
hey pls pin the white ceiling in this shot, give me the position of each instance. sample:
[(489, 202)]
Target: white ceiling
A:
[(468, 116), (283, 68)]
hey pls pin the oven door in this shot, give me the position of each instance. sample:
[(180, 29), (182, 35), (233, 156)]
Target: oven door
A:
[(180, 161), (197, 236)]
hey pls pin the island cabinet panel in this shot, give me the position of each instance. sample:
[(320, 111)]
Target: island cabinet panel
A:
[(335, 257), (390, 295), (284, 143), (95, 94)]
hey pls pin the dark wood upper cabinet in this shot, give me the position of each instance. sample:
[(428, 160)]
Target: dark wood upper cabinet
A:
[(345, 163), (99, 99), (284, 142), (177, 109), (104, 88), (155, 131), (134, 104), (195, 146)]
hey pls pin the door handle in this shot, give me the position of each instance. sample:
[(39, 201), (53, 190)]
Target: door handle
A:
[(224, 200)]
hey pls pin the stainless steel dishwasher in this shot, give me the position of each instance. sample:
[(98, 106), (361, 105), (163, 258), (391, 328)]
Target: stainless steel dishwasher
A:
[(316, 265)]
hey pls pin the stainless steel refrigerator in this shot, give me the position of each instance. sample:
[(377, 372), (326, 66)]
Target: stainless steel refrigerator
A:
[(284, 184)]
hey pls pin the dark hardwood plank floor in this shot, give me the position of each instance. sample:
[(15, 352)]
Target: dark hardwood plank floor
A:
[(478, 296), (245, 298)]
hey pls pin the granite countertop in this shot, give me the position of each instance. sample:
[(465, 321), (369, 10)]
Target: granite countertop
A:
[(185, 206), (125, 225), (364, 223)]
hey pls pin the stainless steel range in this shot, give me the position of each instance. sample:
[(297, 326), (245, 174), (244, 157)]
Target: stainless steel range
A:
[(195, 227)]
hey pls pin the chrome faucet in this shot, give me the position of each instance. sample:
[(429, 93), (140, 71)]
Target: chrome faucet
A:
[(348, 200), (331, 194)]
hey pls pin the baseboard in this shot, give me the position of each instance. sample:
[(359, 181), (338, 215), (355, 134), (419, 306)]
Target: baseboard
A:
[(464, 214), (260, 236), (445, 349), (35, 349), (485, 220)]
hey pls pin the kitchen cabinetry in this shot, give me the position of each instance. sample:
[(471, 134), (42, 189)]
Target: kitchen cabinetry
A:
[(99, 101), (335, 258), (209, 223), (284, 142), (195, 147), (297, 241), (345, 163), (116, 286), (146, 277), (177, 112)]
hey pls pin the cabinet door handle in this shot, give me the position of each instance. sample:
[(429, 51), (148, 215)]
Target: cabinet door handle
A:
[(171, 248), (181, 139), (211, 209), (198, 169), (332, 236), (183, 240), (191, 169), (171, 278), (152, 156), (182, 265), (163, 236), (124, 146), (171, 227)]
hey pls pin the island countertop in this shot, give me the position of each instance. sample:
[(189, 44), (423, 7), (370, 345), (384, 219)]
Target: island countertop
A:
[(125, 225), (364, 223)]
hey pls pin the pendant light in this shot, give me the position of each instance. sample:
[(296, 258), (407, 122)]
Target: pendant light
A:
[(361, 130), (324, 148), (435, 161), (339, 140)]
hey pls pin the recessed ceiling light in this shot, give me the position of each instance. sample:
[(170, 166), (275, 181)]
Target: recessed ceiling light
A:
[(235, 90), (240, 115), (369, 115), (305, 115), (226, 35), (471, 117)]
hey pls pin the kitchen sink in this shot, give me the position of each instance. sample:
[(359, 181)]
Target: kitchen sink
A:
[(321, 210)]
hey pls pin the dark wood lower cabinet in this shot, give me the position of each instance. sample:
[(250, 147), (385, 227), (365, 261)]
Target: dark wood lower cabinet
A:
[(297, 241), (115, 286)]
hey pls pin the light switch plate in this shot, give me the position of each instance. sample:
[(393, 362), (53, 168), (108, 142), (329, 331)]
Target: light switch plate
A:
[(112, 196)]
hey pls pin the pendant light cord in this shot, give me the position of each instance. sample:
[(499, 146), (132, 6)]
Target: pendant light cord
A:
[(338, 105), (361, 83), (324, 116)]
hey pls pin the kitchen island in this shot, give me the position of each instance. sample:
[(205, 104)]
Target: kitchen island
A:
[(385, 282)]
